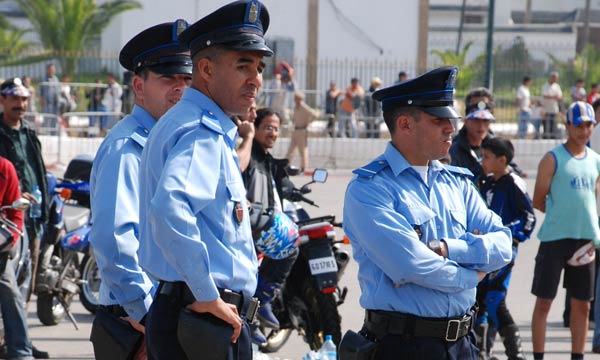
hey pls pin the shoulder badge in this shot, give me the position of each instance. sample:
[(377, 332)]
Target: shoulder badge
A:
[(140, 136), (371, 169), (211, 122), (459, 170)]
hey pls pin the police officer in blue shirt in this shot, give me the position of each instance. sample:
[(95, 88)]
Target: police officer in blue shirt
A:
[(195, 232), (428, 238), (162, 70)]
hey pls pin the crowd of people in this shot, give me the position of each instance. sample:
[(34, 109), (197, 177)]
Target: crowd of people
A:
[(183, 186)]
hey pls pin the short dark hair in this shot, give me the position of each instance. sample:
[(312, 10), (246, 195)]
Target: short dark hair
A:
[(263, 113), (390, 116), (526, 79), (500, 147), (402, 74)]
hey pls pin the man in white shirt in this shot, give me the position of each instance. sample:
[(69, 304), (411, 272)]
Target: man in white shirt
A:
[(523, 102), (551, 101)]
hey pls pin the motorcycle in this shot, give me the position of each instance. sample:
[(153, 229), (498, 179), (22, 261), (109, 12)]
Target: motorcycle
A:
[(309, 298), (62, 273)]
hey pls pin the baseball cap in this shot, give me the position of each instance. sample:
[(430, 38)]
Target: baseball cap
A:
[(580, 112), (14, 86)]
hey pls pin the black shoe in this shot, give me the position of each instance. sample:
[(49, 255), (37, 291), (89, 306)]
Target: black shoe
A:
[(39, 354)]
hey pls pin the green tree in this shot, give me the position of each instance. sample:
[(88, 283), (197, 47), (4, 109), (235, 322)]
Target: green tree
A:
[(586, 66), (11, 43), (67, 27), (451, 58)]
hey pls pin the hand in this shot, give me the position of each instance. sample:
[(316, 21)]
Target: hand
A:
[(245, 129), (134, 324), (29, 197), (222, 310), (481, 275)]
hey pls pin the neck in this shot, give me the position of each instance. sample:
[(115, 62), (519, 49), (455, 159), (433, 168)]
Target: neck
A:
[(498, 175), (575, 149), (11, 122)]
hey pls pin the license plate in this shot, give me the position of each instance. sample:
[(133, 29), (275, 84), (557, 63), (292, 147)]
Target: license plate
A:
[(322, 265)]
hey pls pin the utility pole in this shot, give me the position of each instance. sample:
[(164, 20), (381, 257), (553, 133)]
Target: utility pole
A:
[(460, 26), (312, 54), (489, 60), (423, 36), (527, 17)]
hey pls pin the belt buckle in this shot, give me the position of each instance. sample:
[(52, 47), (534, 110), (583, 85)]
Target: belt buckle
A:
[(450, 332), (253, 306)]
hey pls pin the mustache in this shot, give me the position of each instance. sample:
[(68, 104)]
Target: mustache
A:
[(18, 109)]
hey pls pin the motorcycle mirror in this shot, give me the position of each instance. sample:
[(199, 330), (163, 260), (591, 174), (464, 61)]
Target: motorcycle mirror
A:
[(319, 175), (21, 204)]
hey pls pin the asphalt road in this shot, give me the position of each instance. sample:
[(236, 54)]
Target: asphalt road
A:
[(64, 342)]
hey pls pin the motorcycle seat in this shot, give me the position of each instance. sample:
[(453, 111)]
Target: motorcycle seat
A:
[(75, 216)]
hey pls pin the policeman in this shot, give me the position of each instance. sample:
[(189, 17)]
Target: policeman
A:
[(195, 230), (162, 70), (428, 235)]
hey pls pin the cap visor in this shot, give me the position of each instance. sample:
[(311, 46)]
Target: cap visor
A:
[(443, 112), (250, 46), (171, 69), (581, 120)]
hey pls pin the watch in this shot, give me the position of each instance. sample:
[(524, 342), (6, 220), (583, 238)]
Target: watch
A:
[(435, 246)]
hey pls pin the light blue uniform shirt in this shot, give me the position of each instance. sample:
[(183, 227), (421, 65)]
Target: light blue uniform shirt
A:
[(190, 185), (386, 207), (115, 214)]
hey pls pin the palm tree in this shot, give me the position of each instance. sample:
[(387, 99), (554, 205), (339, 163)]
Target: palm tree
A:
[(67, 27), (11, 44), (451, 58)]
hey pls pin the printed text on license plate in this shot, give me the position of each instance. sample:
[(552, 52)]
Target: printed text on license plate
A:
[(322, 265)]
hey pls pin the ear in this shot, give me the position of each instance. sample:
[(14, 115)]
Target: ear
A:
[(403, 122), (205, 69), (138, 87)]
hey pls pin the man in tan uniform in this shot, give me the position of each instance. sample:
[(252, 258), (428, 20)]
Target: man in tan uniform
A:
[(303, 116)]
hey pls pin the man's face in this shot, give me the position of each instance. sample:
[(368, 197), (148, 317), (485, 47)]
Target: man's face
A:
[(553, 78), (268, 131), (51, 70), (580, 134), (433, 136), (477, 128), (236, 77), (14, 107), (158, 93)]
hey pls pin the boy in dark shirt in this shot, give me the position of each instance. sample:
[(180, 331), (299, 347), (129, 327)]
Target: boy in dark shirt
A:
[(506, 194)]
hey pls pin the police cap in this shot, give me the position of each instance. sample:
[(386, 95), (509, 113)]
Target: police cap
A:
[(432, 92), (239, 25), (158, 50)]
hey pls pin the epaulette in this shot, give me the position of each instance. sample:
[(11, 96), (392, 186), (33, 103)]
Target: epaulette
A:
[(140, 136), (459, 170), (371, 169), (210, 121)]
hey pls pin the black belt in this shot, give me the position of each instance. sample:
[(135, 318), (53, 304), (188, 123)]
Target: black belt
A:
[(382, 323), (246, 306), (116, 310), (300, 128)]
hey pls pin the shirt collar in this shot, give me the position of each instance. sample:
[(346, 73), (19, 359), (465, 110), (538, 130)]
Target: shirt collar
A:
[(143, 117), (398, 163), (208, 105)]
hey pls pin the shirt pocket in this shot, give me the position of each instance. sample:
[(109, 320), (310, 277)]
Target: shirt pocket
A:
[(459, 219), (421, 219)]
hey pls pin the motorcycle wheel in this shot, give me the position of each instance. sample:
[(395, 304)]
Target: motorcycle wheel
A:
[(49, 309), (324, 318), (90, 289), (275, 340)]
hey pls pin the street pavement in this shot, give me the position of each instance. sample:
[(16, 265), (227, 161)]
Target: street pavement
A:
[(64, 342)]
